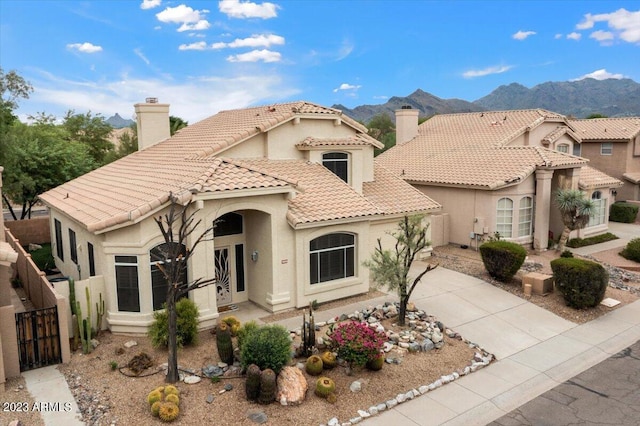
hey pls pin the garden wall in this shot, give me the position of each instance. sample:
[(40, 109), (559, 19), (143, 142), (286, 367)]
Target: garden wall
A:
[(30, 231)]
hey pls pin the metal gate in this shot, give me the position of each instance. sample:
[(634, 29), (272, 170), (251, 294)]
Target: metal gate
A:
[(38, 338)]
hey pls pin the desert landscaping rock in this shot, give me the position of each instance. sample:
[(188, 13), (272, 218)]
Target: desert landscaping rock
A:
[(192, 380), (130, 344), (292, 386)]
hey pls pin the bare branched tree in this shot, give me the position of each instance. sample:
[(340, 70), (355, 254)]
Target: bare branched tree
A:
[(177, 225)]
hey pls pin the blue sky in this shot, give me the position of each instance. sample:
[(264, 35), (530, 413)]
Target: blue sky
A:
[(205, 56)]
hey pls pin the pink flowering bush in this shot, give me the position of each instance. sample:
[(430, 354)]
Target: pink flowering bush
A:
[(356, 342)]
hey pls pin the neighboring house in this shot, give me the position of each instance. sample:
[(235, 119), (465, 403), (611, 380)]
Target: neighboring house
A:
[(294, 189), (496, 172), (612, 146)]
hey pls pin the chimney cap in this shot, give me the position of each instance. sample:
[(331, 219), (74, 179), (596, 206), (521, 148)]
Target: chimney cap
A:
[(151, 100), (406, 107)]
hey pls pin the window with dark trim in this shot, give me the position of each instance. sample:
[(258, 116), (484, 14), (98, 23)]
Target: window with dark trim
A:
[(228, 224), (59, 247), (239, 267), (73, 248), (332, 257), (127, 283), (159, 284), (338, 163), (92, 262)]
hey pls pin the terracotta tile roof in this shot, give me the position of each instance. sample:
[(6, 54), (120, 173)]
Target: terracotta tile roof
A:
[(394, 196), (632, 177), (225, 175), (356, 140), (593, 178), (599, 129), (557, 133)]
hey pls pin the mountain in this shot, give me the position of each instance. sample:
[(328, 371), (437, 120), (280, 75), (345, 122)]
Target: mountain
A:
[(426, 103), (612, 97), (581, 98), (118, 122)]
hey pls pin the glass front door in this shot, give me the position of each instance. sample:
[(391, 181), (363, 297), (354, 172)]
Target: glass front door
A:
[(223, 277)]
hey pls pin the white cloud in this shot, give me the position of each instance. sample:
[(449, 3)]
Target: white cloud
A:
[(247, 9), (558, 36), (626, 25), (498, 69), (188, 18), (150, 4), (602, 36), (84, 47), (346, 86), (191, 99), (345, 50), (140, 55), (200, 45), (574, 36), (263, 55), (521, 35), (253, 41), (602, 74)]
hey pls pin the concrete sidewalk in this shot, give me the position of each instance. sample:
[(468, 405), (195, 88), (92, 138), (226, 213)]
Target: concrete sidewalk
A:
[(50, 391), (535, 350)]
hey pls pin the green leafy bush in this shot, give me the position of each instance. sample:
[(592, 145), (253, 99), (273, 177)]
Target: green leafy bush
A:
[(566, 253), (632, 250), (502, 259), (596, 239), (269, 346), (187, 325), (581, 282), (43, 257), (623, 212)]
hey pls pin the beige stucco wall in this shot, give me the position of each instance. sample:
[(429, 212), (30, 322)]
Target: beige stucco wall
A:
[(9, 345)]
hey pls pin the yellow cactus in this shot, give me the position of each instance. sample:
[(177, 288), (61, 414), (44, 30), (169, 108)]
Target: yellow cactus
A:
[(155, 408), (172, 397), (154, 396), (170, 389), (168, 412)]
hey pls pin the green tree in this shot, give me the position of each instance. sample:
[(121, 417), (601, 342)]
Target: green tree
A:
[(127, 144), (93, 131), (38, 158), (12, 88), (575, 211), (176, 123), (390, 268), (382, 128), (596, 115)]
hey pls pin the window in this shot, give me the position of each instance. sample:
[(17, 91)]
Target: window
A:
[(72, 246), (504, 218), (59, 248), (92, 262), (525, 216), (577, 149), (606, 148), (332, 257), (239, 267), (563, 147), (338, 163), (159, 284), (228, 224), (599, 210), (127, 283)]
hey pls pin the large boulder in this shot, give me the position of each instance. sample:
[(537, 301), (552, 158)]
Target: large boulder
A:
[(292, 386)]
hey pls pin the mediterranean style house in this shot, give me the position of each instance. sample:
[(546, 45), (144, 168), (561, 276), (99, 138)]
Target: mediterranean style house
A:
[(612, 146), (496, 172), (294, 190)]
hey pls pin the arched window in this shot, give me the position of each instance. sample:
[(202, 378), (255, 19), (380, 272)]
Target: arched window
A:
[(332, 257), (563, 147), (599, 209), (504, 217), (160, 257), (338, 163), (525, 217), (228, 224)]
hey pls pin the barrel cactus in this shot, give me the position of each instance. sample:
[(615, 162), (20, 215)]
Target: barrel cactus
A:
[(328, 360), (252, 384), (168, 411), (170, 389), (268, 387), (314, 365), (172, 397), (325, 387), (154, 396), (224, 343), (155, 408)]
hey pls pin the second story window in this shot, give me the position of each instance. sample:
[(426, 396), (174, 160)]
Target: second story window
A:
[(563, 147), (338, 163), (606, 148)]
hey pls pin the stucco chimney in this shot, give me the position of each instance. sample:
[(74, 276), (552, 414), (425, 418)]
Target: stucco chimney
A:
[(406, 124), (153, 122)]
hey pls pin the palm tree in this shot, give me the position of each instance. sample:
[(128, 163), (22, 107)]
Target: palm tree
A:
[(575, 211)]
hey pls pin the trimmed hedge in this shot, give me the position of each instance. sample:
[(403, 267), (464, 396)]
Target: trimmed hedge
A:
[(623, 212), (632, 250), (268, 346), (502, 259), (581, 282), (596, 239)]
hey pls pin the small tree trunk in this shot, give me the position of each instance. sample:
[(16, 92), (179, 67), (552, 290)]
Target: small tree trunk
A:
[(173, 375), (8, 203), (403, 309), (564, 237)]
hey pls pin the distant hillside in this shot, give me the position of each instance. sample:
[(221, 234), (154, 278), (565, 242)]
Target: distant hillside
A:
[(581, 98), (426, 103), (612, 98), (118, 122)]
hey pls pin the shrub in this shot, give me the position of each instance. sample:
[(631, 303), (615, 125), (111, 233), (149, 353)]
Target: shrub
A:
[(356, 342), (187, 325), (502, 259), (632, 250), (43, 257), (581, 282), (269, 346), (566, 253), (596, 239), (246, 328), (623, 212)]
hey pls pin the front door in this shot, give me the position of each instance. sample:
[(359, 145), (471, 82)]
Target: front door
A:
[(223, 277)]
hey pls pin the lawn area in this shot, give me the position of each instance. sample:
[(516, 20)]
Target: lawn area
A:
[(43, 257)]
